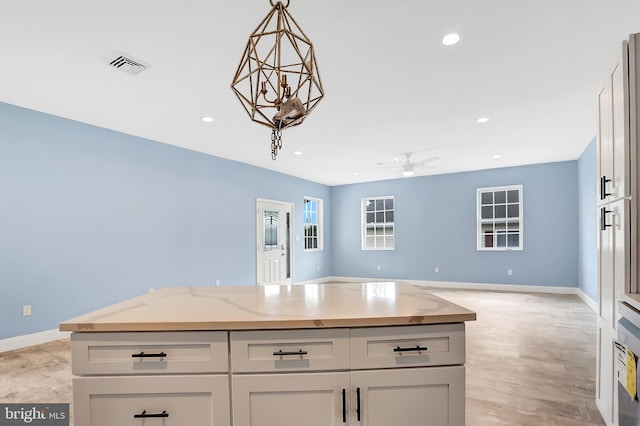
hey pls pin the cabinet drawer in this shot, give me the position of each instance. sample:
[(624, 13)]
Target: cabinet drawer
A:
[(149, 353), (289, 350), (152, 400), (407, 346)]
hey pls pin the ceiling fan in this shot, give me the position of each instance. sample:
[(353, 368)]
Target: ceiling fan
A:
[(408, 165)]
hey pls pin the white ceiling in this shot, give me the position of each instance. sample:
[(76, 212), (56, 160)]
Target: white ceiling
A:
[(532, 67)]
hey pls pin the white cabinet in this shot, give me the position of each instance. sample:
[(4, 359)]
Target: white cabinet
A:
[(398, 397), (613, 260), (613, 132), (385, 375), (144, 378), (617, 212), (291, 399), (290, 350), (406, 376), (408, 397), (606, 387), (407, 346), (149, 353), (403, 375), (195, 400)]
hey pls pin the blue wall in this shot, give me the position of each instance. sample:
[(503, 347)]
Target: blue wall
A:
[(436, 226), (587, 234), (89, 217)]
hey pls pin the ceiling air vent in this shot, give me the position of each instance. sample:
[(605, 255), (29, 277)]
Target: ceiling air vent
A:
[(127, 65)]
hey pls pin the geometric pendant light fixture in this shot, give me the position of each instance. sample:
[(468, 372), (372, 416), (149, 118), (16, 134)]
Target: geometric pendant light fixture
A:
[(277, 80)]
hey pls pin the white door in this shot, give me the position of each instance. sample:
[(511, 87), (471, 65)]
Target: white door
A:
[(305, 399), (274, 245)]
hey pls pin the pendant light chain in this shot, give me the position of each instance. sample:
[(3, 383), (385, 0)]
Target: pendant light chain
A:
[(276, 143)]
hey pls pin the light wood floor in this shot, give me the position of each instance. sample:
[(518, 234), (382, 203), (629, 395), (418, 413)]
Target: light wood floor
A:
[(530, 361)]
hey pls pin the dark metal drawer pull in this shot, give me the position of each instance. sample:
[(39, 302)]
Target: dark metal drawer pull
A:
[(344, 405), (603, 187), (416, 349), (603, 218), (143, 355), (282, 353), (358, 403), (144, 415)]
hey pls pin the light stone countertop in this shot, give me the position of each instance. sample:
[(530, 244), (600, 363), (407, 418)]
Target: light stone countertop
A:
[(273, 307)]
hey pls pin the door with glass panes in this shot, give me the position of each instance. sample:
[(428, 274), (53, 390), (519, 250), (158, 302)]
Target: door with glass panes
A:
[(274, 251)]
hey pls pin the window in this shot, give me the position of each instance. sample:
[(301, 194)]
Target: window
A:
[(500, 218), (312, 223), (378, 230)]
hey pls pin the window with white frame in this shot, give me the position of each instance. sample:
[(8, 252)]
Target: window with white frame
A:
[(378, 223), (500, 218), (312, 223)]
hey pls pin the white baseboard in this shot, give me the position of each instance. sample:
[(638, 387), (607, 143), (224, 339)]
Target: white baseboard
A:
[(495, 287), (26, 340), (586, 299), (473, 286)]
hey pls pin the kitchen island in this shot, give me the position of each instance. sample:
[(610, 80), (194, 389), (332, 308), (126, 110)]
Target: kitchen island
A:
[(316, 354)]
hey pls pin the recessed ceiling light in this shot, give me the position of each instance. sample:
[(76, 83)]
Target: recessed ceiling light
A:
[(450, 39), (356, 173), (297, 153), (482, 120), (497, 156), (207, 119)]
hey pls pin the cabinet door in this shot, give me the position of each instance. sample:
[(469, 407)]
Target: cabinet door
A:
[(614, 263), (431, 396), (309, 399), (613, 133), (151, 400), (606, 380)]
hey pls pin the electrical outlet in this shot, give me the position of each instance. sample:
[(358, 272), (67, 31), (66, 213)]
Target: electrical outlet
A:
[(26, 310), (509, 271), (437, 269), (318, 268), (217, 282), (379, 267)]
